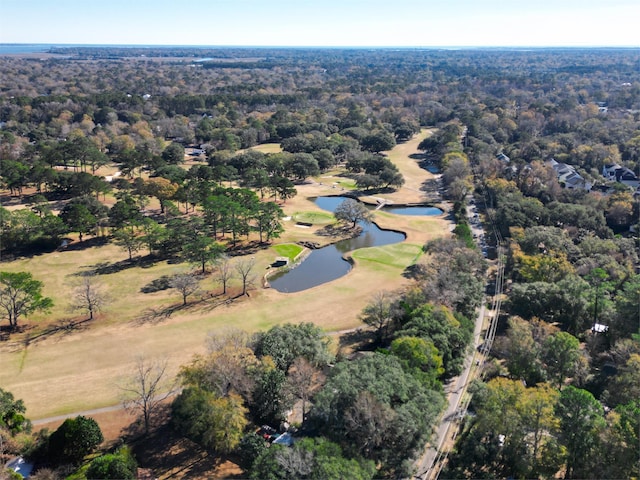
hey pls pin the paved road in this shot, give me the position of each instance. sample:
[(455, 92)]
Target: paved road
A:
[(454, 390)]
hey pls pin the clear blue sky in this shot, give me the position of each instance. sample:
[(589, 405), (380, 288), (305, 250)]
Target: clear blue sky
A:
[(323, 22)]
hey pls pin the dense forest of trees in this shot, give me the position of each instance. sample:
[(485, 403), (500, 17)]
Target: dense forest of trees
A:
[(559, 395)]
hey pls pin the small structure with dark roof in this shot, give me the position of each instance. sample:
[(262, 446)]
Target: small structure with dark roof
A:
[(568, 177), (616, 173)]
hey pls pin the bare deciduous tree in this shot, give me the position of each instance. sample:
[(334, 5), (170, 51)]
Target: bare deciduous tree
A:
[(295, 463), (226, 370), (352, 211), (244, 267), (224, 273), (228, 337), (378, 313), (229, 369), (302, 378), (186, 284), (147, 388), (89, 296), (368, 420)]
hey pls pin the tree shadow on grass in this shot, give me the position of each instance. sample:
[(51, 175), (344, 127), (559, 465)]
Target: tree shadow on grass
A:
[(431, 188), (345, 175), (157, 315), (105, 268), (8, 334), (157, 285), (246, 248), (207, 302), (218, 300), (29, 334), (87, 243), (168, 454), (61, 329), (360, 339), (416, 271)]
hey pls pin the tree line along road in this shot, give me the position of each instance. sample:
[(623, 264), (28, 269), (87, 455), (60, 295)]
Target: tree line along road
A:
[(430, 463)]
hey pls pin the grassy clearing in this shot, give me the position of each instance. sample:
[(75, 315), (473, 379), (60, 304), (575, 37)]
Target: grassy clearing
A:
[(417, 228), (81, 369), (336, 179), (289, 250), (268, 148), (315, 218), (409, 166), (120, 280), (398, 255), (405, 156)]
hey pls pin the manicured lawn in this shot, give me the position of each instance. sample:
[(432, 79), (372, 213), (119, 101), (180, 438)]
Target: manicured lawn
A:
[(290, 250), (120, 280), (315, 218), (399, 255), (336, 179)]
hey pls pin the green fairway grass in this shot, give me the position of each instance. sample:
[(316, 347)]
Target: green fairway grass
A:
[(315, 218), (399, 255), (289, 250)]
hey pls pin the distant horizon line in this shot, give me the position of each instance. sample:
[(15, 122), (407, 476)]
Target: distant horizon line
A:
[(427, 47)]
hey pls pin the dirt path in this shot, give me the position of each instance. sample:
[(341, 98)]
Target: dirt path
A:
[(84, 413)]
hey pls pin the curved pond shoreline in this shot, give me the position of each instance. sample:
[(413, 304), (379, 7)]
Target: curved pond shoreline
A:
[(330, 262), (330, 202)]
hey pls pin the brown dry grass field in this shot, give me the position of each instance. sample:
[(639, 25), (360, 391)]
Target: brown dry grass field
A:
[(268, 148), (80, 368)]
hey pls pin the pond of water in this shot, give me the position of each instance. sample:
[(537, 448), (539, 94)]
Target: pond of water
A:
[(413, 210), (327, 263), (330, 204)]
